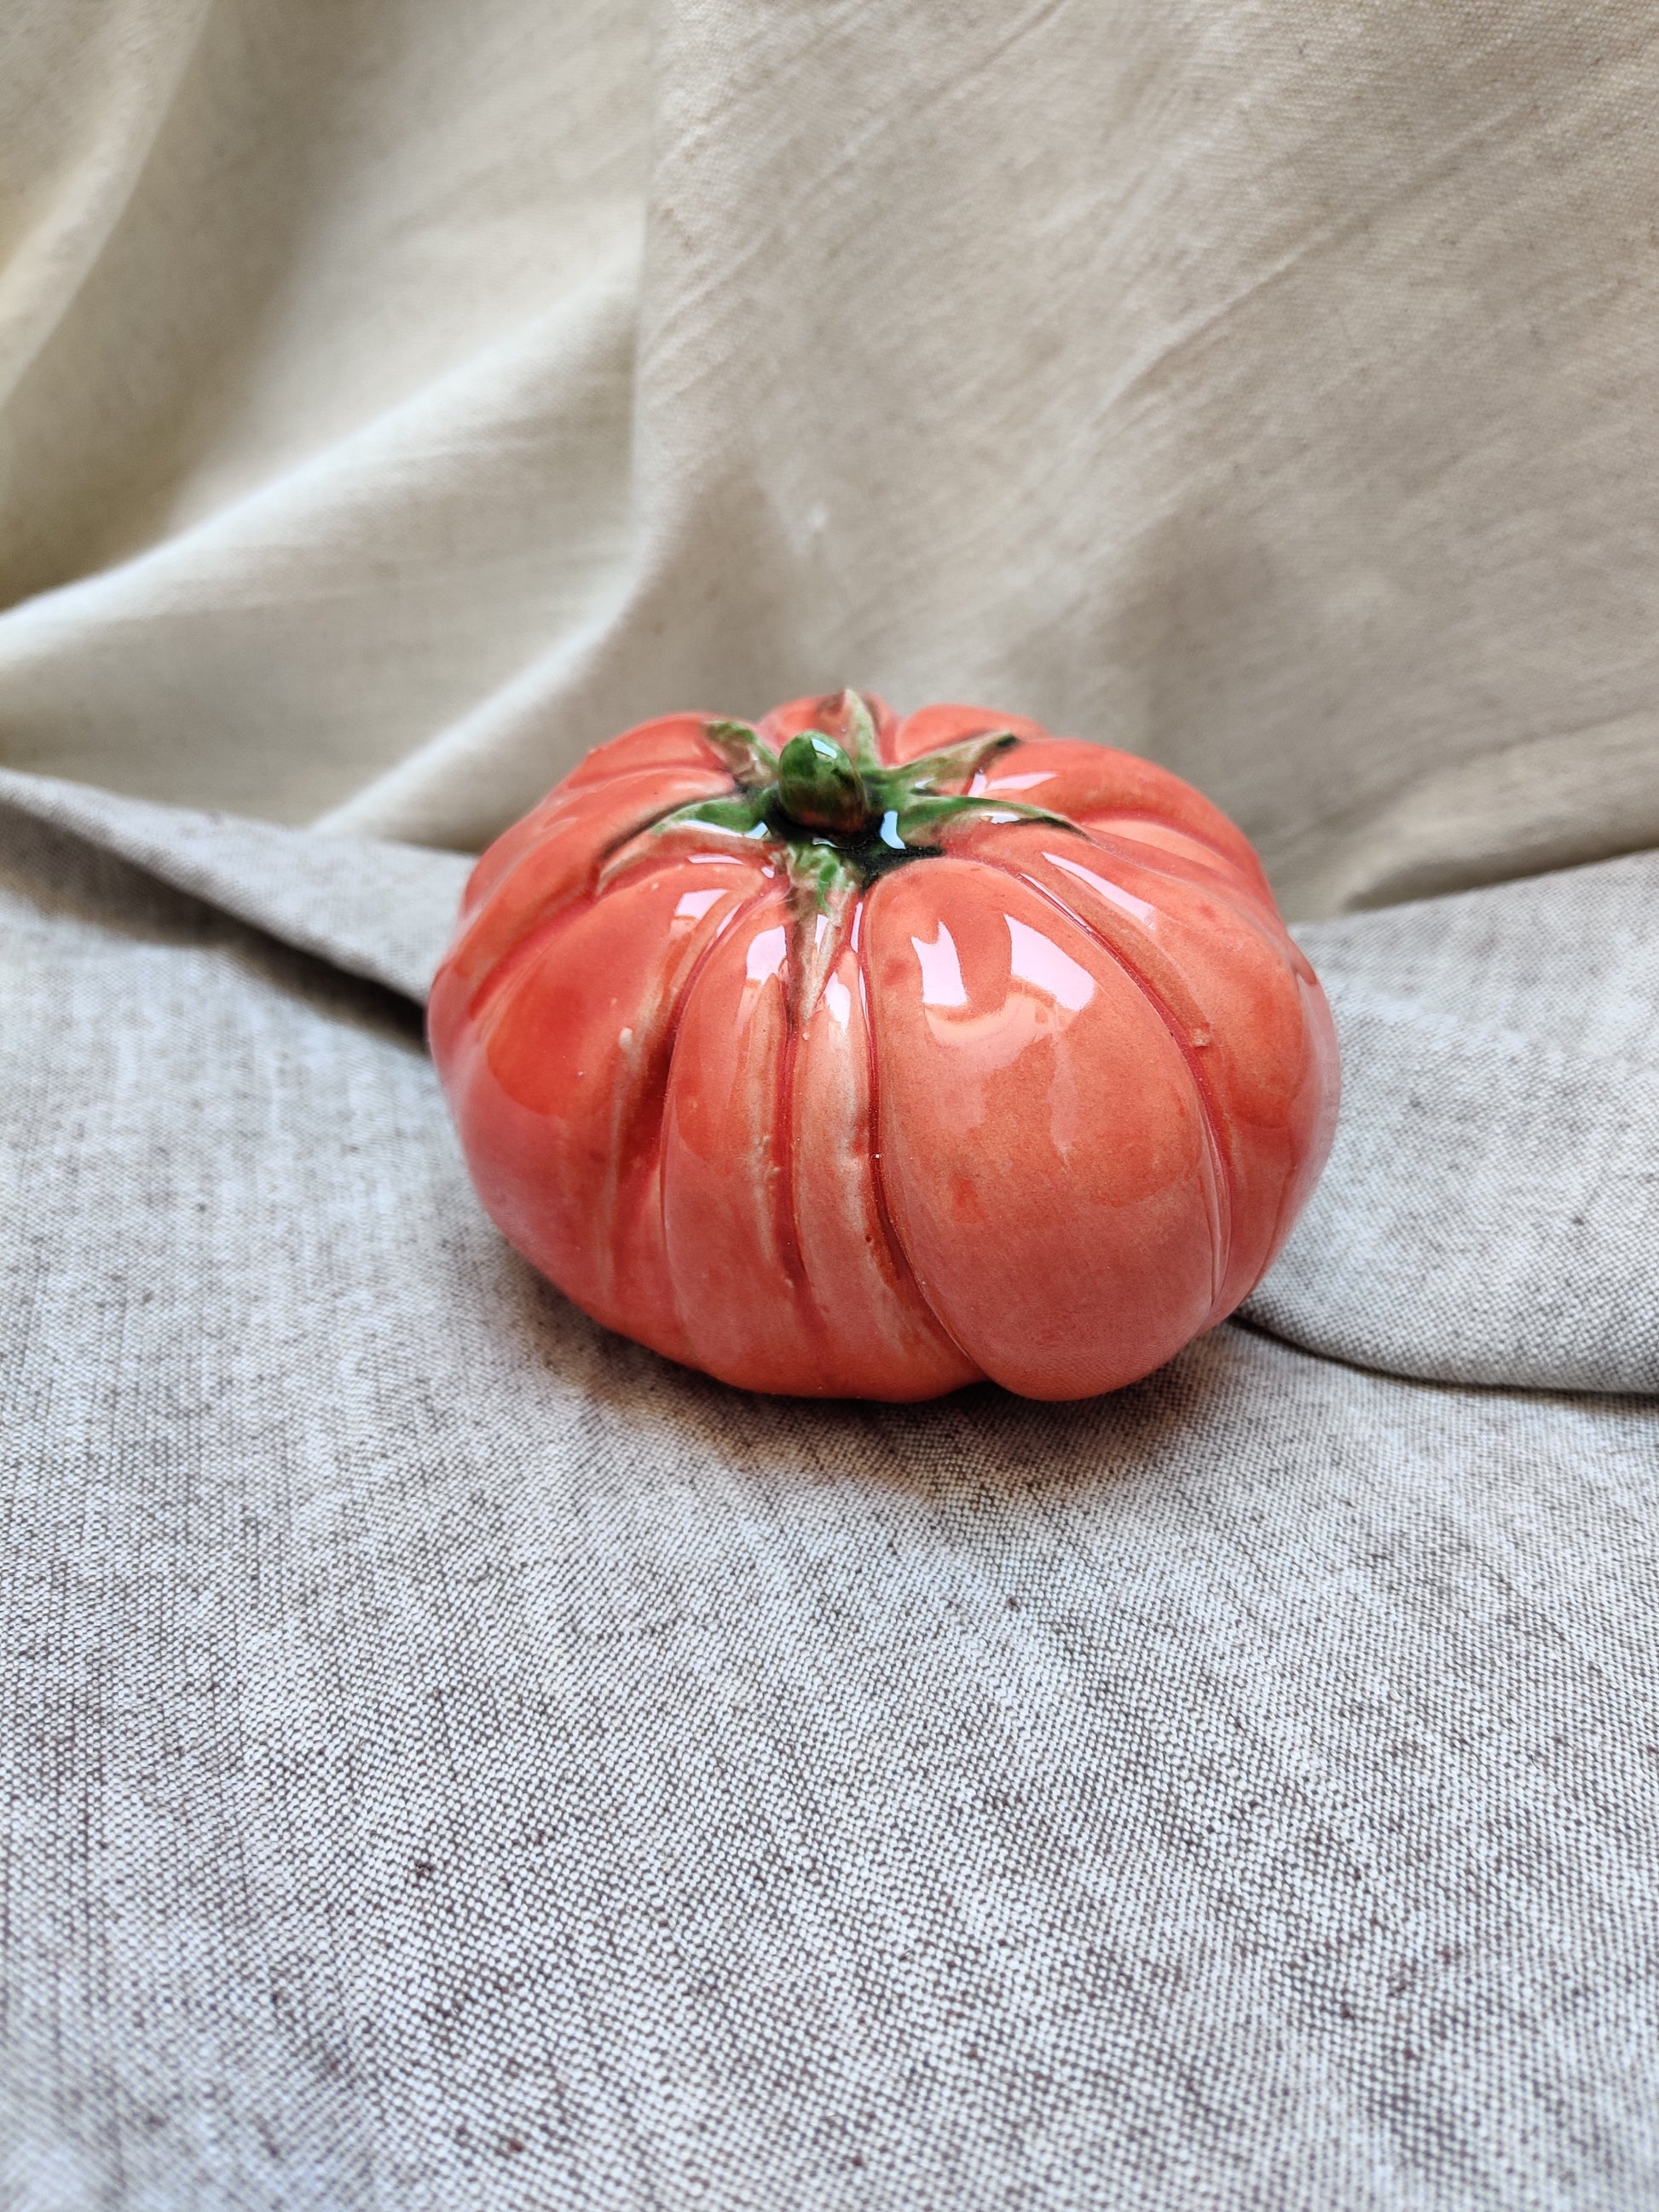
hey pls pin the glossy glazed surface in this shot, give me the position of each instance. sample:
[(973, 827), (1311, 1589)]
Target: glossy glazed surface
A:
[(1015, 1073)]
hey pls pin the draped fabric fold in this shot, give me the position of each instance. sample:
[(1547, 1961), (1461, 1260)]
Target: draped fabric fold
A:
[(405, 399)]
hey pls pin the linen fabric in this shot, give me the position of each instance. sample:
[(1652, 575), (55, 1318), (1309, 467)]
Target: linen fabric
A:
[(399, 399), (451, 1757)]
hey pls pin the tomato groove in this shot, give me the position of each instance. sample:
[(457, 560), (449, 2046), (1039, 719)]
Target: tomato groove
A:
[(901, 1267), (676, 1019), (1210, 1114)]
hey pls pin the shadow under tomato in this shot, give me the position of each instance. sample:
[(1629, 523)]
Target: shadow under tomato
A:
[(982, 1436)]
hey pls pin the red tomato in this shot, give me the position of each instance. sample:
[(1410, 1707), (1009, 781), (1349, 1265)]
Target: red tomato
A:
[(851, 1056)]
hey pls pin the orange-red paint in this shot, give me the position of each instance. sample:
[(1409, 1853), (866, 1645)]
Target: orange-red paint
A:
[(1040, 1104)]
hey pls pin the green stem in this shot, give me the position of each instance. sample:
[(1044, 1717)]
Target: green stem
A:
[(841, 815), (819, 788)]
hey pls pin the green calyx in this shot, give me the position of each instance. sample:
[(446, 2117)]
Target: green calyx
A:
[(841, 815)]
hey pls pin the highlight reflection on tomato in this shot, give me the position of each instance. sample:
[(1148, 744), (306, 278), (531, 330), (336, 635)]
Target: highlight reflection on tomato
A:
[(851, 1056)]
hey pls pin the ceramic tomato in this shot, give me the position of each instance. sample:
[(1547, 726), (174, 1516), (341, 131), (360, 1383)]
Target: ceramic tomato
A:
[(854, 1056)]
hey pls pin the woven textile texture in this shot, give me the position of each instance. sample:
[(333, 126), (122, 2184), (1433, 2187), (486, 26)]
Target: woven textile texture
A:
[(452, 1757)]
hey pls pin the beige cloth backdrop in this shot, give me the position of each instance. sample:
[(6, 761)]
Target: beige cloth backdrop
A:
[(400, 397)]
